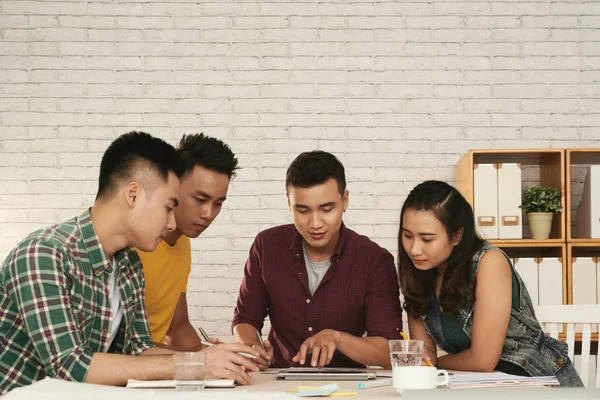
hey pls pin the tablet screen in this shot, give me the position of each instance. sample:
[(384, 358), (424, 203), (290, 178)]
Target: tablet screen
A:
[(326, 370)]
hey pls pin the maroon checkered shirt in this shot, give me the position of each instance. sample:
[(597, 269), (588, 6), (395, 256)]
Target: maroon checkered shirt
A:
[(358, 294)]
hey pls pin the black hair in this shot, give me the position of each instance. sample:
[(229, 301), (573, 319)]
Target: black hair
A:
[(458, 286), (131, 152), (208, 152), (315, 168)]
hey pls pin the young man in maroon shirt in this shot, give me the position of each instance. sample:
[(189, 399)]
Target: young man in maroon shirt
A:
[(322, 285)]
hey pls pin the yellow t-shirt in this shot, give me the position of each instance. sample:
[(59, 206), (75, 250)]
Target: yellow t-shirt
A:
[(166, 270)]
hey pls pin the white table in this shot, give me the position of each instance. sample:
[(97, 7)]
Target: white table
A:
[(266, 387)]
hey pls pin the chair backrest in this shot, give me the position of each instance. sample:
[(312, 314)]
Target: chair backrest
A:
[(553, 317)]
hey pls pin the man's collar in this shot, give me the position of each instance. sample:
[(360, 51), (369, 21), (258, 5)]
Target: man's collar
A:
[(91, 240), (296, 243)]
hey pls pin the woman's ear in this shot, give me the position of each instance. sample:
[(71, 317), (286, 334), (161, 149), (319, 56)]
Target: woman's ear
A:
[(458, 236)]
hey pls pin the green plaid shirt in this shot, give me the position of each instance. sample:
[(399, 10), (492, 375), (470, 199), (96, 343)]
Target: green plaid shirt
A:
[(55, 305)]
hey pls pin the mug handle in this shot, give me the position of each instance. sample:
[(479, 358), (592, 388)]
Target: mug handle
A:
[(445, 380)]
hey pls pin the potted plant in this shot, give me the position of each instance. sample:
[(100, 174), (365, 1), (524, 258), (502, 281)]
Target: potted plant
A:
[(540, 203)]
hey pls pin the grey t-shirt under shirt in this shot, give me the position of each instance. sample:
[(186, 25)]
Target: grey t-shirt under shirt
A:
[(315, 270)]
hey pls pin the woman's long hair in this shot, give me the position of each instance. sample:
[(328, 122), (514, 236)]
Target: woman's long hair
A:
[(458, 286)]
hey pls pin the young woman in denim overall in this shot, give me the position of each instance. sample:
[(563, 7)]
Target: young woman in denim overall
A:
[(465, 297)]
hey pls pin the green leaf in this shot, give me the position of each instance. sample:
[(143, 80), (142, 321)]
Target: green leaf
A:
[(541, 199)]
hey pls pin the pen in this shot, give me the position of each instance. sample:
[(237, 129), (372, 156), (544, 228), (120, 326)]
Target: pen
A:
[(208, 344), (262, 344), (203, 334), (373, 384)]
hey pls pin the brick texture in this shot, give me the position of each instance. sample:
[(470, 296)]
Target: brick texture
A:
[(397, 90)]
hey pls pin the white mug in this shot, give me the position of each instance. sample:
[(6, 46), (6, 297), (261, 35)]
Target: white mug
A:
[(418, 377)]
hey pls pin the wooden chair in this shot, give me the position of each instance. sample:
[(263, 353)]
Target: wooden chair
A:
[(553, 317)]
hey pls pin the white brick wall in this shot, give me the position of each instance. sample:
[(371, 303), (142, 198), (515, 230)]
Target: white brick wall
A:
[(398, 90)]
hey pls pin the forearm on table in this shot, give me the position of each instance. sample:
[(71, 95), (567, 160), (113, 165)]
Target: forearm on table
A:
[(168, 349), (466, 360), (116, 369), (159, 349), (372, 350)]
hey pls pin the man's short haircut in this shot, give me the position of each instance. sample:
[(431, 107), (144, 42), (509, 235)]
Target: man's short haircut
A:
[(136, 152), (208, 152), (315, 168)]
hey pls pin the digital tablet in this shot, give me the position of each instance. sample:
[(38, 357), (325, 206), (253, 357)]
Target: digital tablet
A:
[(325, 374)]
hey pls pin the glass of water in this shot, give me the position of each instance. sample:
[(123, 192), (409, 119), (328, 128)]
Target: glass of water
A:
[(406, 352), (189, 370)]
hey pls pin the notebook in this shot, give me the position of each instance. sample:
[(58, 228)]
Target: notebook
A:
[(170, 384), (325, 374)]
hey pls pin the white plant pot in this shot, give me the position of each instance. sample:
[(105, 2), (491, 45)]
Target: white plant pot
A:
[(540, 224)]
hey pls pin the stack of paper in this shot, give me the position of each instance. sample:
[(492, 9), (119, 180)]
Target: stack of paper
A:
[(462, 380)]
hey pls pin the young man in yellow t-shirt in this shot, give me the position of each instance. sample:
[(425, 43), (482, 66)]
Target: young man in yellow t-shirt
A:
[(210, 166)]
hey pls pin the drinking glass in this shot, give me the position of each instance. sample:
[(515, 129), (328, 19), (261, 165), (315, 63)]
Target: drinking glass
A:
[(189, 371), (406, 352)]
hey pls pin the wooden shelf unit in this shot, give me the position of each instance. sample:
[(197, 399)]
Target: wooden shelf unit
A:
[(577, 157), (552, 173)]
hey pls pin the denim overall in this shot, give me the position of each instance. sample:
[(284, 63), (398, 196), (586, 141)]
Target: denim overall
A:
[(526, 345)]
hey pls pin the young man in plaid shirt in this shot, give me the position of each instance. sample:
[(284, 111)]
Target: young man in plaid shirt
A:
[(72, 295)]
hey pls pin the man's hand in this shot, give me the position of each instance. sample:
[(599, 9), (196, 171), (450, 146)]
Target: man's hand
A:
[(266, 355), (322, 346), (222, 361)]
